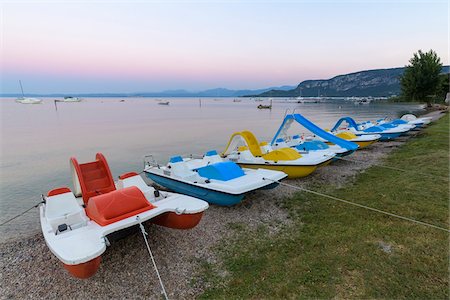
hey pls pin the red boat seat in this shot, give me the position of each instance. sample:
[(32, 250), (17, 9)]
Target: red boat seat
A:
[(117, 205), (94, 178)]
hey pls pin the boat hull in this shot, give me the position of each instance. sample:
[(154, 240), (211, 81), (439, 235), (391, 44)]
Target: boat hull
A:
[(361, 144), (364, 144), (291, 171), (389, 136), (177, 221), (211, 196), (84, 270)]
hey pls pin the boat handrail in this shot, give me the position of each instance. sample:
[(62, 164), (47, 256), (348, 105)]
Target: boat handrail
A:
[(149, 160), (286, 112)]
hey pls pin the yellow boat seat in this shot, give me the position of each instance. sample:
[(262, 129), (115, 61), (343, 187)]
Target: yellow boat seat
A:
[(346, 135), (282, 154)]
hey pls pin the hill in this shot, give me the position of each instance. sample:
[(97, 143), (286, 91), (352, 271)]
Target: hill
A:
[(377, 83)]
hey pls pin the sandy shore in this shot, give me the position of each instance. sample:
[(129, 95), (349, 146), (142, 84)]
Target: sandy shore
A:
[(29, 270)]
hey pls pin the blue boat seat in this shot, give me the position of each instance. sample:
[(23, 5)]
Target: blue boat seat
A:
[(375, 129), (179, 168), (312, 146), (212, 157), (222, 171)]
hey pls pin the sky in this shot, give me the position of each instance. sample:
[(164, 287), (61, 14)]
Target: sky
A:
[(137, 46)]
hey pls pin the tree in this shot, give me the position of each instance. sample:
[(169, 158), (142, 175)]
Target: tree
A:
[(421, 81)]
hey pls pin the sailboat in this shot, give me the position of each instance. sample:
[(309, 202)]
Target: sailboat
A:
[(27, 100)]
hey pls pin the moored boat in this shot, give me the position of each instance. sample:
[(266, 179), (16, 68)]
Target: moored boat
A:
[(245, 150), (211, 178), (386, 132), (27, 100), (79, 225), (313, 141)]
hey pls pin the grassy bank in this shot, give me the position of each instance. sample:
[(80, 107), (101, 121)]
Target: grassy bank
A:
[(332, 249)]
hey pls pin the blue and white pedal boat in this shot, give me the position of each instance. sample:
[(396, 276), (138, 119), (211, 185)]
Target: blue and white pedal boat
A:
[(314, 142), (386, 131), (211, 178), (418, 122), (407, 120)]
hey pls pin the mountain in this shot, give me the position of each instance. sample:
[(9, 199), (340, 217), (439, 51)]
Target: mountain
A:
[(217, 92), (377, 83)]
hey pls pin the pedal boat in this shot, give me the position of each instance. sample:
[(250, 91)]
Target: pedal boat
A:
[(362, 140), (310, 145), (211, 178), (78, 226), (418, 122), (314, 142), (386, 123), (387, 132), (415, 124), (245, 150)]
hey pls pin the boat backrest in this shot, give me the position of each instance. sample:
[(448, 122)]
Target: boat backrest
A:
[(212, 157), (92, 178), (134, 179), (280, 143), (179, 168)]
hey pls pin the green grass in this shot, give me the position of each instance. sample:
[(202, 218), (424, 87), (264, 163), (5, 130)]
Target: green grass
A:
[(334, 250)]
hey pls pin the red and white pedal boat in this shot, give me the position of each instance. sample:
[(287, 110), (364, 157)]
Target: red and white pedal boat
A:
[(77, 226)]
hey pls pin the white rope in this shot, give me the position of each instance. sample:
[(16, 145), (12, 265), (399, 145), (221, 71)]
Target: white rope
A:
[(144, 234), (359, 205)]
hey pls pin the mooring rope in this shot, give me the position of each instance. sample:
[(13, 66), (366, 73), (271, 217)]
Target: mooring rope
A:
[(22, 213), (392, 168), (359, 205), (144, 234)]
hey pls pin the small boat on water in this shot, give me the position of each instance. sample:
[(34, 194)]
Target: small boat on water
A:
[(27, 100), (71, 99), (163, 102), (245, 150), (362, 101), (79, 225), (386, 132), (211, 178), (311, 142), (262, 106)]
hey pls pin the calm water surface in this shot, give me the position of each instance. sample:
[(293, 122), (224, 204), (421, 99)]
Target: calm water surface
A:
[(38, 140)]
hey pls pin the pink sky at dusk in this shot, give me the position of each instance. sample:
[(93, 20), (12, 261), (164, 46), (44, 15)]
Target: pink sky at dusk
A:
[(153, 46)]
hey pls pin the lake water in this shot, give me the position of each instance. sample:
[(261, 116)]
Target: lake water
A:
[(38, 140)]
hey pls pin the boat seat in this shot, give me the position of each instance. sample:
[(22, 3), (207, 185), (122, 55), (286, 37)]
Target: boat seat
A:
[(134, 179), (223, 171), (281, 143), (61, 207), (92, 178), (180, 169), (117, 205), (212, 157)]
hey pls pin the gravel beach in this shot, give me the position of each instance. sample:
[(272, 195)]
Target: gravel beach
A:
[(30, 270)]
